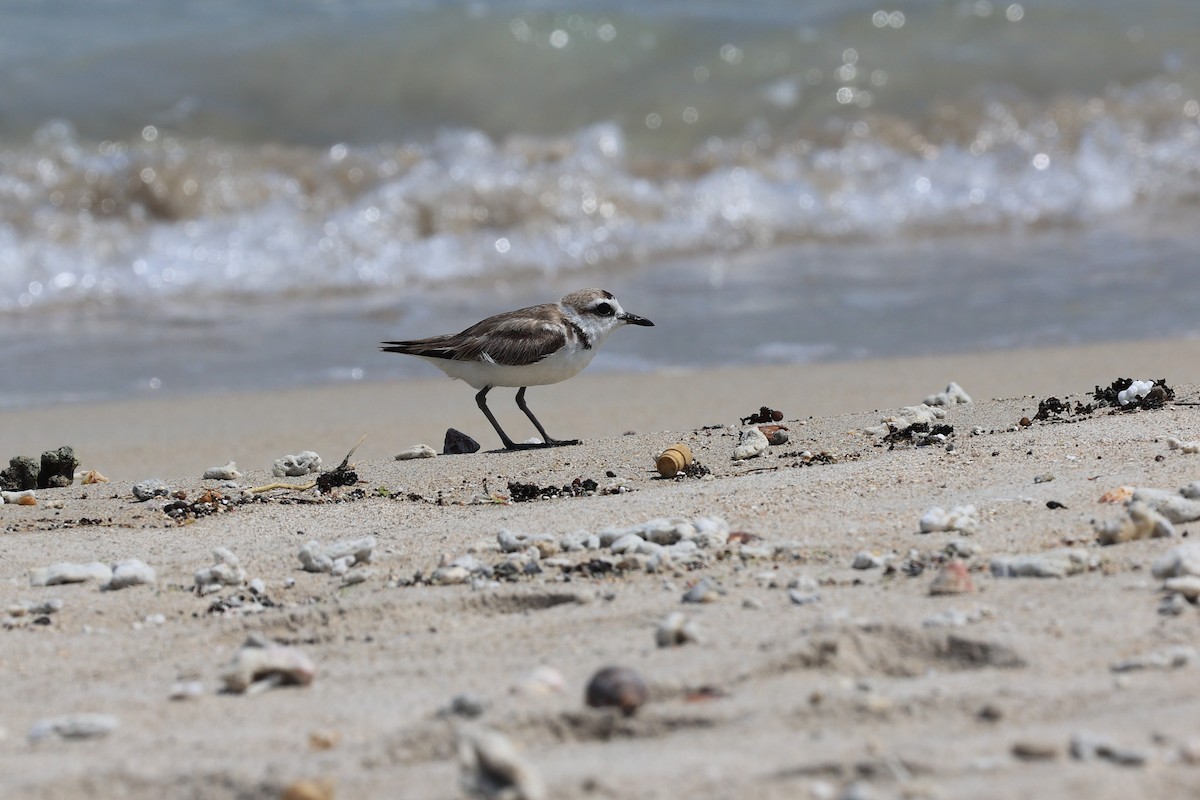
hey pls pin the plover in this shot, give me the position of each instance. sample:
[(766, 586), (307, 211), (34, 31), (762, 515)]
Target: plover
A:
[(531, 346)]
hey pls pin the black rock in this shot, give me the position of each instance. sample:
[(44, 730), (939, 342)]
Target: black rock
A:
[(22, 474), (58, 468), (458, 443)]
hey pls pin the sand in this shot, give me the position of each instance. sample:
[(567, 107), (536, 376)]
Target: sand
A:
[(852, 691)]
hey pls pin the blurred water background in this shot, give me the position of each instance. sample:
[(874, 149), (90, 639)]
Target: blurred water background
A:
[(206, 196)]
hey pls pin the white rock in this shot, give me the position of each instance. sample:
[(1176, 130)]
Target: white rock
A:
[(1141, 522), (491, 767), (1136, 390), (262, 664), (16, 497), (751, 443), (73, 726), (711, 531), (416, 451), (229, 472), (959, 518), (131, 572), (629, 543), (579, 540), (1182, 446), (1172, 505), (666, 531), (1170, 658), (294, 466), (676, 629), (1191, 491), (69, 573), (225, 571), (953, 395), (1178, 561), (1051, 564), (315, 557)]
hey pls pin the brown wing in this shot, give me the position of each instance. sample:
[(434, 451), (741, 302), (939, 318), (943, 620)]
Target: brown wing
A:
[(514, 338)]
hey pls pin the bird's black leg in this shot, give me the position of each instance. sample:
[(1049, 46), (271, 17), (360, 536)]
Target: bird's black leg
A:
[(481, 401), (546, 438)]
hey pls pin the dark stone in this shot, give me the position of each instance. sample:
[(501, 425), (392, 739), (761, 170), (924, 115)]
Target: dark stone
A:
[(458, 443), (22, 474), (58, 468)]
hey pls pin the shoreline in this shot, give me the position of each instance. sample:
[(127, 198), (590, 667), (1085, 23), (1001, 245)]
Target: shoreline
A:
[(179, 436)]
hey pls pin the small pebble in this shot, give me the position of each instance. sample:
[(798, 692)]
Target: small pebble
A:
[(150, 488), (131, 572), (617, 686), (458, 443), (954, 578), (491, 767)]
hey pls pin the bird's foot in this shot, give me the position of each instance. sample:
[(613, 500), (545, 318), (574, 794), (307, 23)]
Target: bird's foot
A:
[(540, 445)]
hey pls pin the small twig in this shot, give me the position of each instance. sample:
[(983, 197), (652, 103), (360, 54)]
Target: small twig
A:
[(277, 485)]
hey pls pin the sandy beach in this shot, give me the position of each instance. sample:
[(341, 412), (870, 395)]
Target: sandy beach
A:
[(824, 666)]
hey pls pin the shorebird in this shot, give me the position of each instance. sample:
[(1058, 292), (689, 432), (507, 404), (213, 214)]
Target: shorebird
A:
[(531, 346)]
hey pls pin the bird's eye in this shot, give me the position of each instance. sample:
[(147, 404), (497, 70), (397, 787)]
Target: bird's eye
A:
[(604, 310)]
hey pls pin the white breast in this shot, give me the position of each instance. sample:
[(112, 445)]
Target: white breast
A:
[(565, 363)]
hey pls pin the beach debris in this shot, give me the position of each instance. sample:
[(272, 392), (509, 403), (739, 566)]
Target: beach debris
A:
[(895, 425), (130, 572), (763, 416), (1141, 522), (1089, 747), (953, 395), (1186, 585), (1036, 750), (229, 472), (621, 687), (92, 477), (337, 558), (541, 681), (490, 767), (1182, 446), (953, 578), (1175, 506), (1178, 562), (64, 572), (1127, 394), (523, 492), (1168, 658), (465, 705), (73, 727), (294, 466), (261, 664), (416, 451), (24, 497), (677, 629), (21, 474), (955, 618), (1052, 564), (150, 488), (751, 443), (309, 789), (510, 542), (674, 460), (225, 571), (26, 612), (458, 443), (959, 518), (1117, 495)]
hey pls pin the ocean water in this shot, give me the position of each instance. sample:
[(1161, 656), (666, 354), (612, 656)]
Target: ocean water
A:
[(204, 196)]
